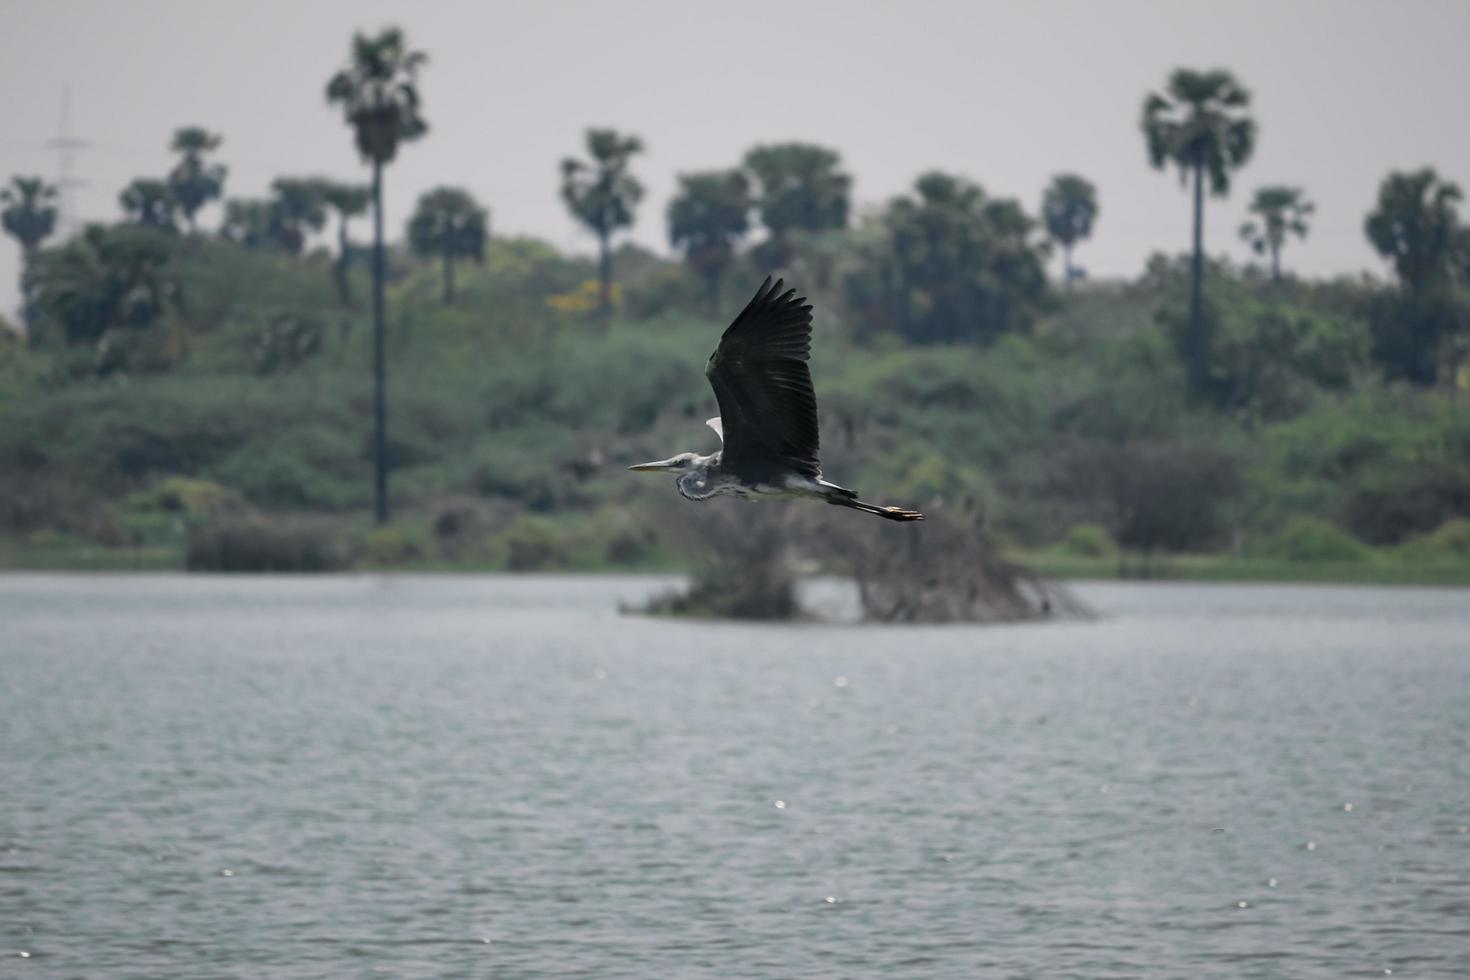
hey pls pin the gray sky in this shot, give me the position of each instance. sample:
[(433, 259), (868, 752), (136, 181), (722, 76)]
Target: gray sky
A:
[(1005, 93)]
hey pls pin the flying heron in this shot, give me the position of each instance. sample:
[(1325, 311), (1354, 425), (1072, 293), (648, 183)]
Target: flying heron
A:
[(768, 413)]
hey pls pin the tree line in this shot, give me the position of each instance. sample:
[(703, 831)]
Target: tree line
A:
[(946, 262)]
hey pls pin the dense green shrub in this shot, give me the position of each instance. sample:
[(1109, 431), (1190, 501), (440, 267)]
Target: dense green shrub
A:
[(257, 544), (394, 544), (287, 341), (1391, 507), (1307, 538), (626, 538), (1386, 463), (190, 497), (1410, 330), (163, 513), (1154, 494), (1266, 356), (1451, 540), (312, 463), (1090, 541), (534, 544)]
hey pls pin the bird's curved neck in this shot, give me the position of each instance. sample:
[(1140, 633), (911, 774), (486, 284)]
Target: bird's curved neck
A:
[(702, 480)]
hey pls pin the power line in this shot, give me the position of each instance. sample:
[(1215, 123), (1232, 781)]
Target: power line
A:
[(67, 147)]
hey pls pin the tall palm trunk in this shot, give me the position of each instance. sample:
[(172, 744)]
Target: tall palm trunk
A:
[(1275, 261), (1196, 306), (1067, 266), (344, 287), (380, 395), (604, 276), (28, 313)]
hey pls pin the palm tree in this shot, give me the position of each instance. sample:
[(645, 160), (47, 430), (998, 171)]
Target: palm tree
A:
[(150, 203), (193, 182), (602, 194), (451, 224), (1416, 227), (29, 211), (349, 201), (1202, 127), (378, 92), (1282, 211), (708, 217), (801, 188), (1068, 209)]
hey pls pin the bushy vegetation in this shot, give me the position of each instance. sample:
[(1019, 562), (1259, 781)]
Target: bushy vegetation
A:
[(250, 544), (508, 400), (512, 417), (1090, 541), (1307, 538), (182, 389), (1450, 541)]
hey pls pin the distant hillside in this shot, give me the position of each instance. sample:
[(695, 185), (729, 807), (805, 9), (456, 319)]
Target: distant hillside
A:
[(246, 398)]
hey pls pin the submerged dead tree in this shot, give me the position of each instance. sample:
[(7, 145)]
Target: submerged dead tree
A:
[(745, 563), (942, 571)]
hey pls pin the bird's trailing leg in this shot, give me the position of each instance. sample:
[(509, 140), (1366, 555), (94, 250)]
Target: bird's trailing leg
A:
[(890, 513)]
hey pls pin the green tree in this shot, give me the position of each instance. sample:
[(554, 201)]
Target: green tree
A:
[(249, 222), (1416, 227), (800, 187), (603, 195), (952, 265), (106, 280), (1201, 126), (297, 210), (451, 224), (281, 222), (29, 211), (1068, 209), (193, 181), (707, 219), (1269, 356), (150, 203), (1280, 211), (378, 93), (349, 201)]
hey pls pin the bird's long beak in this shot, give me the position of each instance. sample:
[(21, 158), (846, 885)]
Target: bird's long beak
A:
[(659, 464)]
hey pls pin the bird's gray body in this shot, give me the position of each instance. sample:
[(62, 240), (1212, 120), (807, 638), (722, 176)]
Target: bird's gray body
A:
[(768, 413), (704, 478)]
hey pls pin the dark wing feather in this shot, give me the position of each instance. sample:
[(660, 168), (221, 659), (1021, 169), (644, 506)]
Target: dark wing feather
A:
[(761, 380)]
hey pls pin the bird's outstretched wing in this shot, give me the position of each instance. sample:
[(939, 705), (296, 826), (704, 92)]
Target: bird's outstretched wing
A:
[(761, 380)]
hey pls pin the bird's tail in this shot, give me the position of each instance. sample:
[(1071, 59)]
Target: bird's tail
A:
[(890, 513)]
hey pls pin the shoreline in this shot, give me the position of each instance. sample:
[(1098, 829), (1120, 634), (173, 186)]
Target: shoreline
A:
[(1381, 570)]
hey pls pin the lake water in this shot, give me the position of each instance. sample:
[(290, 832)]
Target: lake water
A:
[(410, 777)]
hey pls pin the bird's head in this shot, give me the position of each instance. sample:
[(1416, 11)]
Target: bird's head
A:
[(677, 464)]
